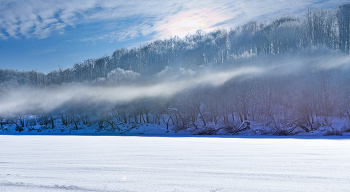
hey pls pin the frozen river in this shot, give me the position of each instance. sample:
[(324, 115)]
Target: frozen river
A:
[(125, 163)]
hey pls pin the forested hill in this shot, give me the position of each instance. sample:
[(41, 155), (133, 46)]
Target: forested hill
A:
[(287, 76), (326, 28)]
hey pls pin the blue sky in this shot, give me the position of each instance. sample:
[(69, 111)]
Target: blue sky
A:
[(44, 35)]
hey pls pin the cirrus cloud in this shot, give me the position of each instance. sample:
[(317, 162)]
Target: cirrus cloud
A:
[(160, 19)]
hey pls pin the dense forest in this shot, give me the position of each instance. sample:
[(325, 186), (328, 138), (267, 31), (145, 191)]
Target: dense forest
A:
[(288, 74)]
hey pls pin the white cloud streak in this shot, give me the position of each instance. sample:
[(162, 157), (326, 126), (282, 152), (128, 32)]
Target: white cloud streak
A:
[(170, 82), (45, 100), (42, 18)]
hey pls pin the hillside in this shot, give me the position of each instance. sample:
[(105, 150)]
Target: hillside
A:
[(285, 77)]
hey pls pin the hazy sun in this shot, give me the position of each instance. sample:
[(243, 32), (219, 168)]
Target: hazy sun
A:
[(183, 26)]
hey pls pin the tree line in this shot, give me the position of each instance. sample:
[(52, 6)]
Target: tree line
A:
[(318, 27), (306, 100)]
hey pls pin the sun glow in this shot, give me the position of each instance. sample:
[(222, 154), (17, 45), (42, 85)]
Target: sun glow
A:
[(186, 25)]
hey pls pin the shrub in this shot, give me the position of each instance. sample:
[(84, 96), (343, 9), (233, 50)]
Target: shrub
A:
[(281, 132), (345, 129), (332, 132), (177, 128), (231, 129), (206, 131), (19, 129)]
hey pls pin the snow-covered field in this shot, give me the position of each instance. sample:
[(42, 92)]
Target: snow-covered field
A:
[(130, 163)]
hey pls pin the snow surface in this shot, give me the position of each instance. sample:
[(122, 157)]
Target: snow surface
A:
[(131, 163)]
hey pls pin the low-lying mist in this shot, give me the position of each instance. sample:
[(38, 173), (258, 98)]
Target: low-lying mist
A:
[(44, 100), (121, 86)]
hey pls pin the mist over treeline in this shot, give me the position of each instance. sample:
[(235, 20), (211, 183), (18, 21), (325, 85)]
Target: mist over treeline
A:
[(284, 74)]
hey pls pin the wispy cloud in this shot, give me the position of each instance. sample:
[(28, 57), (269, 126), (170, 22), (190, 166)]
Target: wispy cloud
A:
[(122, 34), (42, 18), (3, 36)]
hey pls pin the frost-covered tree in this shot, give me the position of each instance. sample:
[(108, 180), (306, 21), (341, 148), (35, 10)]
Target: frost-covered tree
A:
[(343, 17)]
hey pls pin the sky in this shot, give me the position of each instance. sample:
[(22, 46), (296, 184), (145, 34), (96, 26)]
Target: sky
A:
[(46, 35)]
